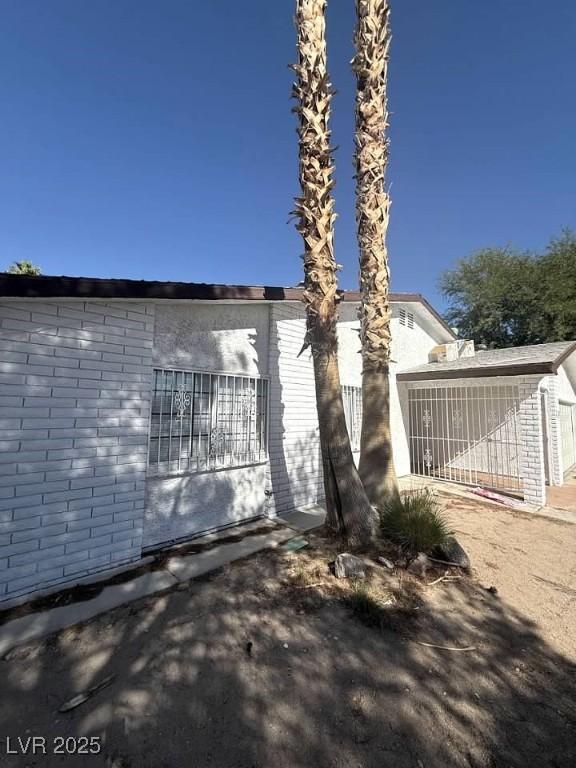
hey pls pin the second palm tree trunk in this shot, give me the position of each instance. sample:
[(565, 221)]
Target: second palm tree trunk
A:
[(370, 64)]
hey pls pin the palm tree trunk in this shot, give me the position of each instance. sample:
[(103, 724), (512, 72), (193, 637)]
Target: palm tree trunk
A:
[(348, 508), (370, 64)]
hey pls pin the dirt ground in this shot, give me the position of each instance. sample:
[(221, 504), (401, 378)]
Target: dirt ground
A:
[(317, 686)]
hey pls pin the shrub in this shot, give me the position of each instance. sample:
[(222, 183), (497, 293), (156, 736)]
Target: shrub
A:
[(414, 522)]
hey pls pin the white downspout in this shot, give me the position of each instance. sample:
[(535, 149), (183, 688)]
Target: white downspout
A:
[(544, 393)]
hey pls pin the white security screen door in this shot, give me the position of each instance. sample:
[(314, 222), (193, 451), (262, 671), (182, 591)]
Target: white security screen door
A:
[(466, 434)]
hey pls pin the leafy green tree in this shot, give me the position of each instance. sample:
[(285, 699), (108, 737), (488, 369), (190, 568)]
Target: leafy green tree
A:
[(557, 285), (23, 267), (502, 298), (493, 296)]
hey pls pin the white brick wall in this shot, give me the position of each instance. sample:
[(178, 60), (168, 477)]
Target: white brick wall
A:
[(294, 444), (531, 441), (74, 409)]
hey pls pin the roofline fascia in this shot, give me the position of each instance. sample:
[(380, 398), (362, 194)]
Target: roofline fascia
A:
[(53, 286), (476, 373)]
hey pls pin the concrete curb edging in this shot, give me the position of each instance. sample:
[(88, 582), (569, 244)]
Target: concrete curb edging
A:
[(177, 570)]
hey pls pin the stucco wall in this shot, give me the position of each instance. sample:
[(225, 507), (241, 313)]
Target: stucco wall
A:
[(180, 506), (349, 357), (564, 386), (230, 338), (410, 346)]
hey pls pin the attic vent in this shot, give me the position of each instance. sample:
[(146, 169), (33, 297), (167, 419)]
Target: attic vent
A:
[(406, 318)]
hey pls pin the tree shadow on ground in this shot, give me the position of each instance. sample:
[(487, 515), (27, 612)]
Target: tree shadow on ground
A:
[(317, 689)]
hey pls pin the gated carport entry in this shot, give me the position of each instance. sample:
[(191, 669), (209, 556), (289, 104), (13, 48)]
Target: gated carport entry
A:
[(494, 418), (466, 434)]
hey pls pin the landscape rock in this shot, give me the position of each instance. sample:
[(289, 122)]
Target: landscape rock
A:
[(347, 566), (452, 552), (420, 565), (384, 561)]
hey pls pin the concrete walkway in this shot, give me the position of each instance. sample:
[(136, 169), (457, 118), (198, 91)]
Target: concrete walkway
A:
[(305, 519), (563, 496), (175, 570)]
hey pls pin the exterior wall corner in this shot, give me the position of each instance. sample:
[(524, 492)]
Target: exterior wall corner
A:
[(531, 457)]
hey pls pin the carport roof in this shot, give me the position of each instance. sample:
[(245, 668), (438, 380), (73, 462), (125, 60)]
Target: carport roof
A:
[(513, 361)]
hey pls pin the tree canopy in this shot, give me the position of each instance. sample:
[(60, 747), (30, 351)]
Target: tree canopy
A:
[(23, 267), (502, 297)]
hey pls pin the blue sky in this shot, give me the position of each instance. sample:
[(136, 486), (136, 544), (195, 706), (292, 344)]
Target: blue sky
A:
[(155, 139)]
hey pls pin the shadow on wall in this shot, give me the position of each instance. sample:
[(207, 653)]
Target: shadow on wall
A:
[(218, 337), (182, 505), (295, 459), (319, 689)]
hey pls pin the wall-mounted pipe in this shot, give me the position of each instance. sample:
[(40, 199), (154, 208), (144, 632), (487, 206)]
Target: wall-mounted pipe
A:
[(544, 393)]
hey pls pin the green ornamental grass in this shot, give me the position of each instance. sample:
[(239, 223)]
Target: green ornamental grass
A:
[(414, 522)]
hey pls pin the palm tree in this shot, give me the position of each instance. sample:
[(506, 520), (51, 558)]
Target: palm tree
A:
[(348, 508), (23, 267), (370, 64)]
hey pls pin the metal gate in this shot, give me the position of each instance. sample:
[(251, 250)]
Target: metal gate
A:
[(568, 434), (466, 434)]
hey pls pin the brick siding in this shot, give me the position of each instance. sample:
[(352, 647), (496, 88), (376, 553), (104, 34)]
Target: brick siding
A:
[(74, 407)]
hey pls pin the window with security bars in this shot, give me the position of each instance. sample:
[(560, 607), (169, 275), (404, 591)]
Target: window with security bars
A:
[(203, 421), (352, 399)]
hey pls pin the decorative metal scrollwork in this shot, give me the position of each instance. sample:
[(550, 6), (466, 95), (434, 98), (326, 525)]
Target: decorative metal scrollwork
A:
[(427, 418), (218, 438), (428, 458), (457, 421), (182, 401), (247, 402)]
